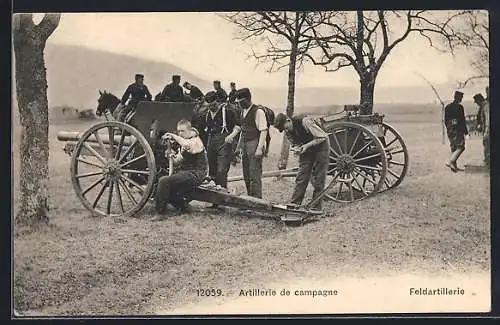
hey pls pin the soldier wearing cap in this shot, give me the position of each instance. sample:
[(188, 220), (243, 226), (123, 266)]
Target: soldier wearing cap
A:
[(232, 93), (311, 142), (194, 92), (456, 128), (173, 91), (221, 125), (252, 141), (136, 92), (221, 93), (484, 112)]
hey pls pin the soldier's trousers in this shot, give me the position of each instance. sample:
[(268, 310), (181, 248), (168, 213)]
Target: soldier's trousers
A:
[(219, 155), (486, 149), (175, 189), (252, 168), (313, 166)]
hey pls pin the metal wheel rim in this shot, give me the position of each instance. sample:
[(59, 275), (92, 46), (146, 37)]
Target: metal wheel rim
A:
[(120, 184), (391, 159), (356, 191)]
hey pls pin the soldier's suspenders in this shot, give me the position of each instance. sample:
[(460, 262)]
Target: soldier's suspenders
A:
[(224, 125)]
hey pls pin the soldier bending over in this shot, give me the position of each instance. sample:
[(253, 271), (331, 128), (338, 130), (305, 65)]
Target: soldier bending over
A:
[(312, 143), (193, 168)]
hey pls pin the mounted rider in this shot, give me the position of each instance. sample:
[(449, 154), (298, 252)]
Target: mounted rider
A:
[(172, 92), (221, 93), (232, 94), (194, 92), (136, 92)]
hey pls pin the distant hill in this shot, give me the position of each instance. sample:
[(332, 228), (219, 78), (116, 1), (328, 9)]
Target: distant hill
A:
[(75, 74)]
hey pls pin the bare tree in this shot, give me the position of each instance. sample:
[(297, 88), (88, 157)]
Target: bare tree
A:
[(473, 36), (364, 39), (31, 87), (284, 34)]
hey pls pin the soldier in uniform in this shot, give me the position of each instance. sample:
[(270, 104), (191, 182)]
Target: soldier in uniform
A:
[(193, 168), (313, 145), (194, 91), (221, 125), (456, 128), (136, 92), (173, 92), (221, 93), (231, 100), (484, 109), (253, 141), (232, 93)]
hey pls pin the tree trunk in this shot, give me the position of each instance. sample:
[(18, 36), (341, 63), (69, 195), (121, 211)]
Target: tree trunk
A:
[(367, 93), (31, 88), (285, 145)]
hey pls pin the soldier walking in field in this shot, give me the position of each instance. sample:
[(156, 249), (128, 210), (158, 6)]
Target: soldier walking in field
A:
[(456, 129), (313, 145)]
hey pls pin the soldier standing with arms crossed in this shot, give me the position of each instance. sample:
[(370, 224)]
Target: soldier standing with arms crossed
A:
[(312, 143), (252, 141)]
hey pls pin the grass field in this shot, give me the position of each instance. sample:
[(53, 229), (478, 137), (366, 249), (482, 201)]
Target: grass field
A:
[(435, 222)]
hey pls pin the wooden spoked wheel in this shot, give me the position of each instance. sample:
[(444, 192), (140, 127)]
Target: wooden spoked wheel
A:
[(358, 163), (113, 175), (397, 157)]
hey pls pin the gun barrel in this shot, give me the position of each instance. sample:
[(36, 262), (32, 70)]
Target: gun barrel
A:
[(75, 136)]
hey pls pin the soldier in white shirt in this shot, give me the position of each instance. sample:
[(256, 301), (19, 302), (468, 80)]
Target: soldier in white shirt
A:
[(253, 141)]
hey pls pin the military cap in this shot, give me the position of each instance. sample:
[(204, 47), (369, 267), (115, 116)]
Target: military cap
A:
[(459, 93), (232, 83), (478, 98), (279, 121), (139, 75), (217, 82), (176, 76), (210, 96), (243, 93)]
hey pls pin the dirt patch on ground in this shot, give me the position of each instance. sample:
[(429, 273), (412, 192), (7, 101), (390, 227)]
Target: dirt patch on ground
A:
[(435, 221)]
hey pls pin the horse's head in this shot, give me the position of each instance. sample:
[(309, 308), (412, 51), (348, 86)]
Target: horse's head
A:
[(106, 102)]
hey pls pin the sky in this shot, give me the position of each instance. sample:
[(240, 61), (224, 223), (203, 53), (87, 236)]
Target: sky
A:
[(205, 44)]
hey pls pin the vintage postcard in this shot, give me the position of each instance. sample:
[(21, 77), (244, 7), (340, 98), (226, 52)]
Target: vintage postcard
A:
[(225, 163)]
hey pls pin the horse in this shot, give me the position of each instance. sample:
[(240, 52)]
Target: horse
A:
[(107, 103)]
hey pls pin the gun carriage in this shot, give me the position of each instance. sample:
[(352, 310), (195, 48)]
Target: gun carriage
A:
[(115, 165)]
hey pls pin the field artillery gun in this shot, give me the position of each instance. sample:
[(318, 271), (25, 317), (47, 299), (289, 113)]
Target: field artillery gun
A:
[(367, 156), (115, 166)]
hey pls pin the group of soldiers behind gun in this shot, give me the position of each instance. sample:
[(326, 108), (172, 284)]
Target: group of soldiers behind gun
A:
[(207, 145), (173, 92)]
